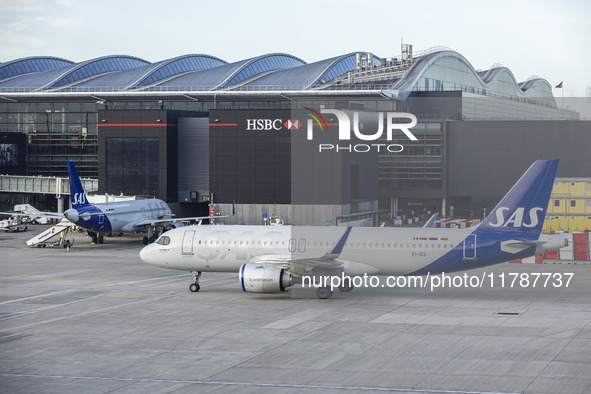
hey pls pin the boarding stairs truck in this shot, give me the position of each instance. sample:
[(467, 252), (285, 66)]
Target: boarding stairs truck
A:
[(42, 239)]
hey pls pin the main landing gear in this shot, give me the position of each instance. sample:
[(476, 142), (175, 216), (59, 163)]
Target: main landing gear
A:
[(96, 238), (327, 292), (151, 237), (324, 292), (194, 287), (148, 240)]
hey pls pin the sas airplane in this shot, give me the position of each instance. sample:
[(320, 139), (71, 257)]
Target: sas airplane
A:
[(117, 217), (272, 258)]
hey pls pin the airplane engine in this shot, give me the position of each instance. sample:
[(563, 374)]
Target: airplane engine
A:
[(72, 215), (263, 278)]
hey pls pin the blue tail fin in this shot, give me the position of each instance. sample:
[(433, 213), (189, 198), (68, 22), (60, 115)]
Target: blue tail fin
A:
[(523, 209), (77, 193)]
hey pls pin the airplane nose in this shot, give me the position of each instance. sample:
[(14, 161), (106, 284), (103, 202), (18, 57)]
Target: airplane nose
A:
[(147, 255)]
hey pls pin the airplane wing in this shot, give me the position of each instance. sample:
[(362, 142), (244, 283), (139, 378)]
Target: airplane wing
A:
[(35, 214), (298, 266), (153, 222)]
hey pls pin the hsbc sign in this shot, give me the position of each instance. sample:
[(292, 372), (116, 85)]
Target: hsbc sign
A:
[(272, 124), (264, 124)]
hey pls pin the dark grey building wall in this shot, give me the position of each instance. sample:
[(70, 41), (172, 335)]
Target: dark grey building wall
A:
[(146, 131), (249, 166), (193, 157), (485, 158)]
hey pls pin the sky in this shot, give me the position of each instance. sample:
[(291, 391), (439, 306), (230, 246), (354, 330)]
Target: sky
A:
[(549, 39)]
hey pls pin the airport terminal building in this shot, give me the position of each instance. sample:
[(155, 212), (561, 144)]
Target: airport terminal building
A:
[(280, 136)]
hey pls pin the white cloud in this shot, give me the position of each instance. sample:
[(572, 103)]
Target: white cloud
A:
[(66, 23), (21, 6), (15, 45)]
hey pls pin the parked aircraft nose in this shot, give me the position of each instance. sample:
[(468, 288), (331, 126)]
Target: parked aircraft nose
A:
[(72, 215)]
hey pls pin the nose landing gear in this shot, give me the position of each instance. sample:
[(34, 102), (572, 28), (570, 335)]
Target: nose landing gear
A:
[(194, 287)]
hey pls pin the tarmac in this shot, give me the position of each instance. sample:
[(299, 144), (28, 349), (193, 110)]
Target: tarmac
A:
[(96, 319)]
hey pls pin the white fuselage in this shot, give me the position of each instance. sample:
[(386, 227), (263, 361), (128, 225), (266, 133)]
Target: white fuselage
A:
[(385, 251)]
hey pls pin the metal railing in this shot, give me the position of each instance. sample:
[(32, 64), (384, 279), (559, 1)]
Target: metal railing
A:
[(187, 89)]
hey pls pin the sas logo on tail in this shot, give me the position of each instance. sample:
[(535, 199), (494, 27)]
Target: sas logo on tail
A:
[(79, 199), (516, 220)]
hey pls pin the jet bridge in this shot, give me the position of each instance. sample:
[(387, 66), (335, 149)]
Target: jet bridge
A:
[(44, 185)]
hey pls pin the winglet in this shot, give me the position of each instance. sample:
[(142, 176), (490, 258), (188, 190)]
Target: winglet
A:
[(77, 193), (341, 244)]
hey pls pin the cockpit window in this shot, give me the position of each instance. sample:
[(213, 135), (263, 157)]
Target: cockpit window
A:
[(163, 240)]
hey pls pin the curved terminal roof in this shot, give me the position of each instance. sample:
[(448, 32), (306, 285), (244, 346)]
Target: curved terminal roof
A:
[(234, 73), (448, 70), (152, 73), (69, 74), (29, 65), (309, 75), (434, 70)]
